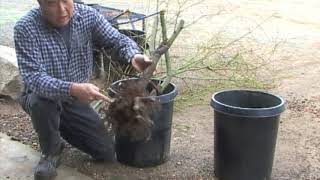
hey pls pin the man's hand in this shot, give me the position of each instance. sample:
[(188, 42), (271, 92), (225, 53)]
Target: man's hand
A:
[(140, 62), (87, 92)]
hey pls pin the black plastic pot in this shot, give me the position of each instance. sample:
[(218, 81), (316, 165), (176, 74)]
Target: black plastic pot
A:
[(156, 150), (245, 132)]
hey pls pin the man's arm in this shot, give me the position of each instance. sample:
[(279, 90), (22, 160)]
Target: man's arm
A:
[(35, 76), (110, 37), (32, 71)]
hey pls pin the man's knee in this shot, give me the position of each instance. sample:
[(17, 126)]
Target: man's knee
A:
[(44, 113)]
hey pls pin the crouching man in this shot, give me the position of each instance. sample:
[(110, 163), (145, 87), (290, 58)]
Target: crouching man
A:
[(54, 50)]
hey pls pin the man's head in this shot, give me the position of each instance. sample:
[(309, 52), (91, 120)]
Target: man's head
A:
[(57, 12)]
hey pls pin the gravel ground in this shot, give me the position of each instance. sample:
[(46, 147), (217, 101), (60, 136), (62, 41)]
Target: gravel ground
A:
[(192, 148), (187, 162)]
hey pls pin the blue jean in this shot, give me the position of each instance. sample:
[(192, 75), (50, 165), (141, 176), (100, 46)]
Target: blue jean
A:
[(74, 121)]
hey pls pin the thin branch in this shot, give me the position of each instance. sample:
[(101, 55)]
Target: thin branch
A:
[(249, 32), (204, 79), (167, 57), (155, 55), (154, 30), (202, 17)]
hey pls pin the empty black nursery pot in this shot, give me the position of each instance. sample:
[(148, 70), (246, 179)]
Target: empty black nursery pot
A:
[(245, 132)]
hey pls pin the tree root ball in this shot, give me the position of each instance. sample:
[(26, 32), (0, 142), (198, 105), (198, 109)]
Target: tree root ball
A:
[(135, 102)]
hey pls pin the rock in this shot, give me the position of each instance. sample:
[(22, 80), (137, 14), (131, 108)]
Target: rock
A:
[(10, 81)]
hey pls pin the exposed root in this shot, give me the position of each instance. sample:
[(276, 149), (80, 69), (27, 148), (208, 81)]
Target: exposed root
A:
[(130, 113)]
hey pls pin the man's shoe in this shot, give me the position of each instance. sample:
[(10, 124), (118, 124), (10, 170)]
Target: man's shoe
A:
[(47, 166)]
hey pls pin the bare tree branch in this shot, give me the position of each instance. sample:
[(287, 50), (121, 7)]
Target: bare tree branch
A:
[(155, 55)]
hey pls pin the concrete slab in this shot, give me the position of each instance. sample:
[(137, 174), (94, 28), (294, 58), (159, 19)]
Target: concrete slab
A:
[(18, 160)]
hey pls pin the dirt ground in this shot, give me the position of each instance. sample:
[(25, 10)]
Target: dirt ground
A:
[(297, 153)]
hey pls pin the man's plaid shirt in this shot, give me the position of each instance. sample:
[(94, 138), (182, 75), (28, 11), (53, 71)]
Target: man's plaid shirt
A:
[(46, 66)]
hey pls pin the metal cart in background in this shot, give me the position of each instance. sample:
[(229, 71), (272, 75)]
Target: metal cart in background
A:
[(131, 24)]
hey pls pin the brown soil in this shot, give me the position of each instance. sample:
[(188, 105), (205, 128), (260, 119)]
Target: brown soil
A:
[(130, 113)]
